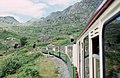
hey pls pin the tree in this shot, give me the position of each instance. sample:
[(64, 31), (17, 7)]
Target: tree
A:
[(23, 41)]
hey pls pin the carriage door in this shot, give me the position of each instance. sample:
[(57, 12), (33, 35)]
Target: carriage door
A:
[(96, 62)]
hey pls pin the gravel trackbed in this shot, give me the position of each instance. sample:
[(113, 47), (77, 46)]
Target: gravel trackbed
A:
[(61, 66)]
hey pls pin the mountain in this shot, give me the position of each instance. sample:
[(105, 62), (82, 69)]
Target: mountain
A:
[(57, 27), (80, 12), (8, 20), (34, 21)]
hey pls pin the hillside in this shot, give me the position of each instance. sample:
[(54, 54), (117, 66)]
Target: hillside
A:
[(8, 20), (80, 12), (55, 28), (70, 21), (20, 44), (112, 41)]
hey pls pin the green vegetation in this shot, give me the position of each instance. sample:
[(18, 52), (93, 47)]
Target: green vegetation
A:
[(56, 28), (23, 41), (47, 69), (112, 64), (112, 36), (23, 63), (2, 46), (52, 34), (4, 34), (26, 62), (14, 61), (66, 59)]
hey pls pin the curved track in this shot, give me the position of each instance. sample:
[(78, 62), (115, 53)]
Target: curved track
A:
[(61, 66)]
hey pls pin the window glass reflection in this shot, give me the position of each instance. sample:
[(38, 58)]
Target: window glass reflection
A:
[(112, 49), (86, 56)]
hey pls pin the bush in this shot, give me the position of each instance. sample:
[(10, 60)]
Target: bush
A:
[(9, 66), (24, 50), (60, 42), (43, 43), (2, 46), (23, 41), (29, 70), (15, 61)]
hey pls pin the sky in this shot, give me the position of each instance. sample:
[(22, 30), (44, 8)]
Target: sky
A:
[(24, 10), (118, 18)]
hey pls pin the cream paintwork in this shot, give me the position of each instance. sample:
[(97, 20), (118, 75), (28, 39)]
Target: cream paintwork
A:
[(113, 9), (75, 55)]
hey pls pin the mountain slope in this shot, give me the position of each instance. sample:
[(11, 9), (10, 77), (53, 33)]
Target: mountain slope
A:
[(80, 12), (8, 20), (58, 26)]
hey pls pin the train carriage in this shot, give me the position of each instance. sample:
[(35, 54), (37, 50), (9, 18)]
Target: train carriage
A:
[(90, 44), (90, 52)]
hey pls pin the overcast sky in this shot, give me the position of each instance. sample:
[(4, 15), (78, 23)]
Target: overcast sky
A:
[(24, 10)]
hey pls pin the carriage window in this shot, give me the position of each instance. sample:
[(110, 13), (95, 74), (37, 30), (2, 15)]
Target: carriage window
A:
[(96, 62), (112, 48), (50, 48), (79, 58), (86, 56), (57, 49), (95, 42), (70, 49)]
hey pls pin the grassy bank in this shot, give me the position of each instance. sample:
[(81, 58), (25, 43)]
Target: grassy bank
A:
[(23, 63)]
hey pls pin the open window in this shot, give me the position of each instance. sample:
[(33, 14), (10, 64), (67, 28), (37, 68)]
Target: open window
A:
[(96, 62)]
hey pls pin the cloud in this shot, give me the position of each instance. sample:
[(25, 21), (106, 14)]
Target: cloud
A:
[(32, 8), (55, 2), (59, 2), (24, 7)]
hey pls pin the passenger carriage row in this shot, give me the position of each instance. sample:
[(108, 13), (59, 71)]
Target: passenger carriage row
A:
[(88, 54)]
